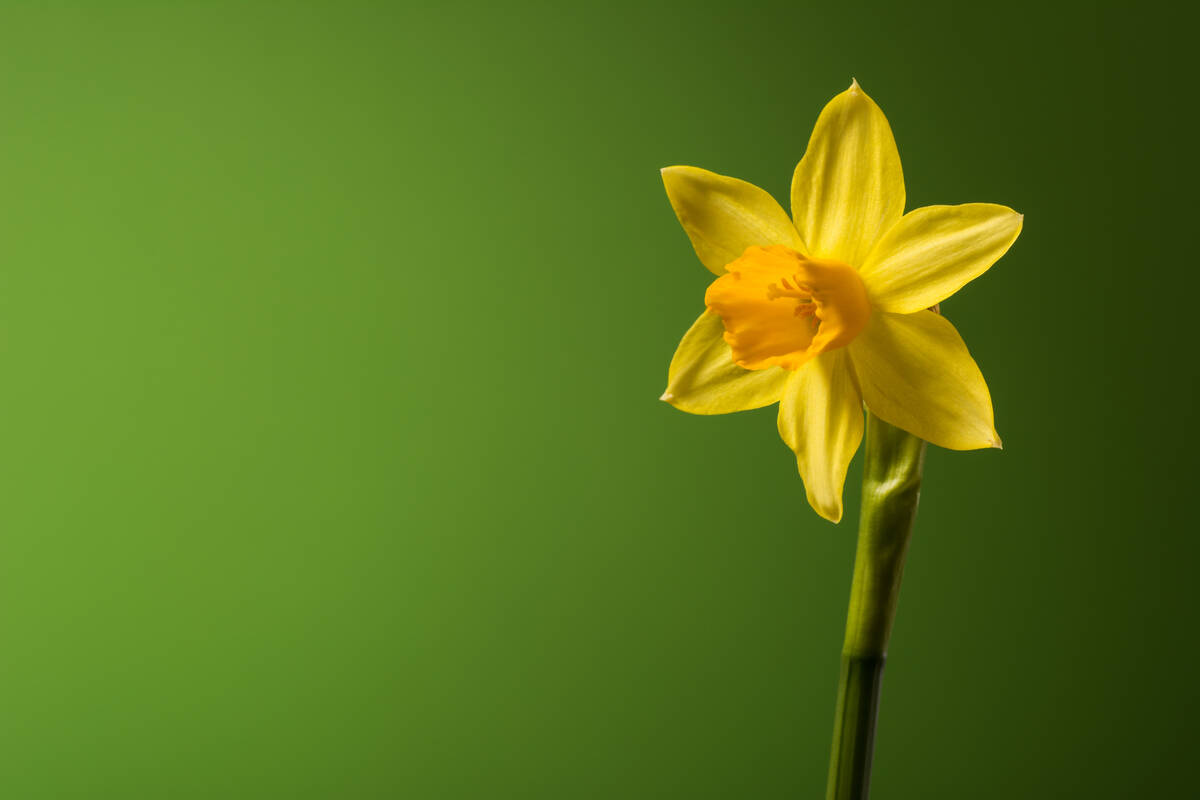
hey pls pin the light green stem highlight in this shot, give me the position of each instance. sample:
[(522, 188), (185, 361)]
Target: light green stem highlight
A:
[(893, 461)]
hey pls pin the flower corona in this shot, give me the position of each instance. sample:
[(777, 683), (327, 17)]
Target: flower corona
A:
[(826, 300)]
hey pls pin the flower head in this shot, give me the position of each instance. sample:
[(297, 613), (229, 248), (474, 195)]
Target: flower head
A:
[(828, 310)]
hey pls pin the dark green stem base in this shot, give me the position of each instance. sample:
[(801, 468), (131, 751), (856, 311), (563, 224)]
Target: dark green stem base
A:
[(854, 727)]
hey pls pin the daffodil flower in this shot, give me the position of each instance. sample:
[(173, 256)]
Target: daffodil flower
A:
[(828, 310)]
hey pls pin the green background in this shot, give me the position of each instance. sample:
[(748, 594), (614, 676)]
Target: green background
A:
[(332, 465)]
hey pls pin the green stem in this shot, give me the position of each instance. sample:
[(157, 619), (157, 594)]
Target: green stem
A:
[(892, 465)]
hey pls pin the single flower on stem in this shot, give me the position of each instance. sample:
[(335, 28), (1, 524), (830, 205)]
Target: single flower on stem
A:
[(828, 310)]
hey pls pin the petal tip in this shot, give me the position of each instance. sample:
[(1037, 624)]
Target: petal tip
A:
[(833, 515), (667, 396), (854, 87), (996, 444), (829, 508)]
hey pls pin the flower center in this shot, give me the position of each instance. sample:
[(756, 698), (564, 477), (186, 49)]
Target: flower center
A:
[(782, 308), (801, 293)]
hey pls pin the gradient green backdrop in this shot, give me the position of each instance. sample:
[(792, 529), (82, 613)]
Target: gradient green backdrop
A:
[(332, 467)]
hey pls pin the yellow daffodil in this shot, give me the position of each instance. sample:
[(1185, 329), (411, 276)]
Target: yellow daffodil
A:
[(829, 309)]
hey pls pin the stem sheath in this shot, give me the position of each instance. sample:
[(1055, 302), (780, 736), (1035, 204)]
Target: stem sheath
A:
[(893, 461)]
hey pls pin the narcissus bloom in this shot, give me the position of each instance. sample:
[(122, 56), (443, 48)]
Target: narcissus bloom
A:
[(829, 309)]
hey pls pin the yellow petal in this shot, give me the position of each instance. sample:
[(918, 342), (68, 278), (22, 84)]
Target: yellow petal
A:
[(703, 379), (933, 252), (821, 419), (915, 372), (849, 188), (723, 216)]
